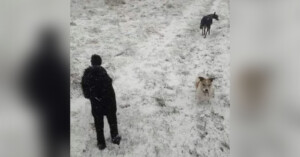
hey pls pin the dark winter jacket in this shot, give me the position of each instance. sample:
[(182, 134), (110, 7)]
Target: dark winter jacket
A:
[(97, 86)]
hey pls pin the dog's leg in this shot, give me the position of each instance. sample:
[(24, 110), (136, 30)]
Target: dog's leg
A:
[(205, 32)]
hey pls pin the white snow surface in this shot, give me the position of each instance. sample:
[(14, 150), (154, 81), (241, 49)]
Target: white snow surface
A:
[(153, 50)]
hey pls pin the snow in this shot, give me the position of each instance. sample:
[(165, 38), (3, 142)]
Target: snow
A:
[(154, 51)]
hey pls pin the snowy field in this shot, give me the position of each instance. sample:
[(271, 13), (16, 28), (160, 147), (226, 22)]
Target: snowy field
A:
[(153, 50)]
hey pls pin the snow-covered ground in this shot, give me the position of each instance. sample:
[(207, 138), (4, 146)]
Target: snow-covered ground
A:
[(154, 51)]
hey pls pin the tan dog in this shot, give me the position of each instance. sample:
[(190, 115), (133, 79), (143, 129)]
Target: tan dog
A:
[(204, 89)]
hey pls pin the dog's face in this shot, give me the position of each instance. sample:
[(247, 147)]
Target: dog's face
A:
[(206, 84), (216, 16)]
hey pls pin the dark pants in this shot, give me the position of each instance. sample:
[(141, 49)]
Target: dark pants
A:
[(112, 121)]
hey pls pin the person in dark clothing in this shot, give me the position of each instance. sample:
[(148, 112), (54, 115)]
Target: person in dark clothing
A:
[(97, 86), (45, 82)]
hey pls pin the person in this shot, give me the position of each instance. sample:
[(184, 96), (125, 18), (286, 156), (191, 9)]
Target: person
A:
[(97, 86), (45, 82)]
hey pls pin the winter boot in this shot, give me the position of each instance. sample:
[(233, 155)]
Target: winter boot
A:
[(116, 140)]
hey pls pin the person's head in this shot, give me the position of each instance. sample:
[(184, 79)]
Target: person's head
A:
[(96, 60)]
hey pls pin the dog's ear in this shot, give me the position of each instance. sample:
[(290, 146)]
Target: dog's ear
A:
[(214, 13), (201, 78), (211, 79)]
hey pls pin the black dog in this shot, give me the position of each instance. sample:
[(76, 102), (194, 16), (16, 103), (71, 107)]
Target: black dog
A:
[(97, 86), (206, 23)]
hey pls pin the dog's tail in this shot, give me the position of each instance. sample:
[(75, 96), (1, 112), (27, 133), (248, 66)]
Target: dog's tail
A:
[(202, 24), (197, 82)]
